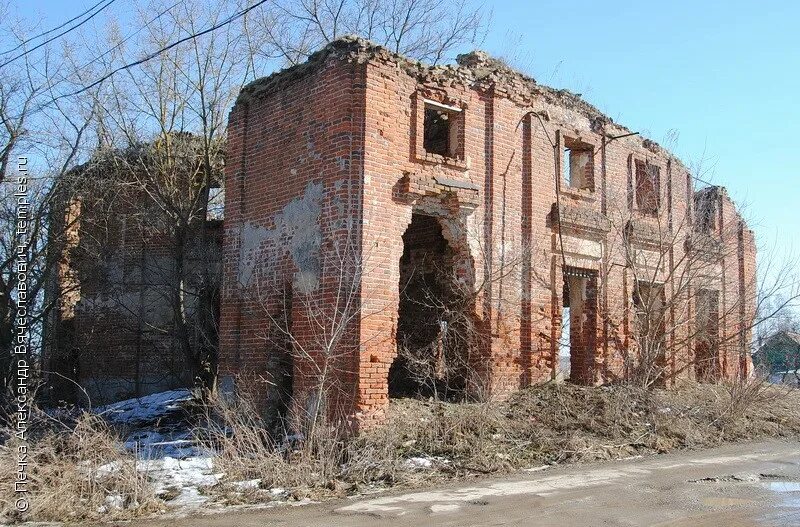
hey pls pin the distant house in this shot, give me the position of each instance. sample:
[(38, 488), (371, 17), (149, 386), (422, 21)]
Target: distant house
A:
[(778, 355)]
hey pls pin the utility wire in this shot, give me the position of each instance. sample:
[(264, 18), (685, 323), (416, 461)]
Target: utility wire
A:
[(26, 52), (40, 35), (153, 55), (126, 39)]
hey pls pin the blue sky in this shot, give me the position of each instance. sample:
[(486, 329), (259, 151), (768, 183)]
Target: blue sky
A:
[(724, 75)]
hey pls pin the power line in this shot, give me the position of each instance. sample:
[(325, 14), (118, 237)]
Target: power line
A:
[(126, 39), (153, 55), (6, 63), (40, 35)]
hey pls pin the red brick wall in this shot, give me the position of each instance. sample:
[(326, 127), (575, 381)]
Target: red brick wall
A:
[(294, 171), (354, 124), (111, 337)]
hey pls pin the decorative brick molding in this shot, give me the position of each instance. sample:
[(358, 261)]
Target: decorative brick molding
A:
[(352, 121)]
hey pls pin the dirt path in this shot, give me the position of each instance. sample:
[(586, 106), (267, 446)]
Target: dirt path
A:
[(748, 484)]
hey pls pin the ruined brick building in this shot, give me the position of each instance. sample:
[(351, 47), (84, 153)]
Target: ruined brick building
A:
[(374, 203), (128, 274), (395, 229)]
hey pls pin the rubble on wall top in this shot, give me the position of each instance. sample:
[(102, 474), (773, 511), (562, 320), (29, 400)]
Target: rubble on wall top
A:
[(712, 191), (476, 70)]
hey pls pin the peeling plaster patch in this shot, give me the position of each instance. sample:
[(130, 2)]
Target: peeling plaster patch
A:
[(297, 232), (251, 239), (299, 225)]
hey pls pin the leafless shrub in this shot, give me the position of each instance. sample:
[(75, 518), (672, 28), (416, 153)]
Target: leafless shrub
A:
[(246, 450), (742, 395)]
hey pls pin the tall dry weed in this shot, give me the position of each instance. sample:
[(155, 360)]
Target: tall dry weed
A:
[(77, 472)]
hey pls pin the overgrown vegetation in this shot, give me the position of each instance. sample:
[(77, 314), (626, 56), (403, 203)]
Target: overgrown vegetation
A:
[(81, 472), (76, 471), (426, 441)]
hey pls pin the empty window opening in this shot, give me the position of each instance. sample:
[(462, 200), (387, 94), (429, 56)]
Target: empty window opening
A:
[(648, 187), (431, 345), (564, 343), (442, 130), (649, 305), (577, 345), (578, 164), (705, 207), (215, 206), (706, 336)]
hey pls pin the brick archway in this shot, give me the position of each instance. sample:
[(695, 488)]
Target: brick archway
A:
[(435, 277)]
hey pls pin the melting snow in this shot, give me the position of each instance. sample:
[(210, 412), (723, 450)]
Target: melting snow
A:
[(159, 432), (144, 409), (419, 462), (187, 476)]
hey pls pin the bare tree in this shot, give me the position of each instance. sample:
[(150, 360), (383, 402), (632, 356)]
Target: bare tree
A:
[(165, 126), (46, 138), (690, 313), (427, 30)]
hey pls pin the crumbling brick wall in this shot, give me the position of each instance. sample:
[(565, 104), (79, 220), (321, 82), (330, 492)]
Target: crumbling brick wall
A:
[(111, 335), (294, 189), (336, 149)]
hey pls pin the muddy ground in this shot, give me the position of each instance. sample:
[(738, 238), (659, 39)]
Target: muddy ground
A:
[(744, 484)]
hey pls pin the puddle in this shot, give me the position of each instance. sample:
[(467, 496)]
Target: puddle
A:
[(788, 490), (783, 486)]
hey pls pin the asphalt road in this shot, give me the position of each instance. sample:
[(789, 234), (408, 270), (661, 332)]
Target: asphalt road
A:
[(731, 486)]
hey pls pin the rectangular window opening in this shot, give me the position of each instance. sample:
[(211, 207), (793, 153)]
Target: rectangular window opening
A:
[(442, 130), (707, 335), (648, 187), (577, 344), (649, 304), (578, 164), (215, 206), (705, 208), (565, 342)]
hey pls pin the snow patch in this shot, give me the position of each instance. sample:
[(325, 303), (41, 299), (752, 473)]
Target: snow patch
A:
[(186, 476), (144, 409), (420, 463)]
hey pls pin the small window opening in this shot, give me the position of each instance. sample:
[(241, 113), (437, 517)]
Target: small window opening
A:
[(578, 164), (648, 187), (442, 130), (215, 206)]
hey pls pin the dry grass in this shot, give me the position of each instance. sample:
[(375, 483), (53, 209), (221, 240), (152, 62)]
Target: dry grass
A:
[(72, 471), (422, 442), (554, 423), (244, 449)]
